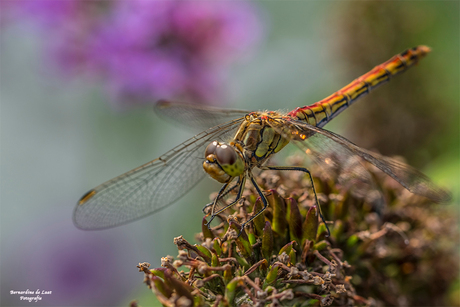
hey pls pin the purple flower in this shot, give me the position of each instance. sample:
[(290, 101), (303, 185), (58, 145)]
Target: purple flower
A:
[(145, 50), (151, 49)]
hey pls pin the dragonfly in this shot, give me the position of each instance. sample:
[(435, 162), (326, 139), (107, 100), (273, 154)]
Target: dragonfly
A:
[(238, 143)]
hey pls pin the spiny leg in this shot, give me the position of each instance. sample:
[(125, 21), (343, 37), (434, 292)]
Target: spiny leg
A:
[(293, 168), (238, 197), (221, 196), (264, 201)]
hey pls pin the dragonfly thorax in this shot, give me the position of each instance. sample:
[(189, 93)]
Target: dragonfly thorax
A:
[(223, 161), (260, 137)]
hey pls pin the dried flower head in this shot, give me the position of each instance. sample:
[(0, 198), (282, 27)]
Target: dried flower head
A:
[(400, 252)]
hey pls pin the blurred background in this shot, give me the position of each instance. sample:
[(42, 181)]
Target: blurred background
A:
[(79, 78)]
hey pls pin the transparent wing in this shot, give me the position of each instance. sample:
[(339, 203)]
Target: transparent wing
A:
[(322, 143), (196, 116), (341, 165), (150, 187)]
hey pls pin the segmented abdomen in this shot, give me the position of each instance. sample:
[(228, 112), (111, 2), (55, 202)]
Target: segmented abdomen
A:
[(321, 112)]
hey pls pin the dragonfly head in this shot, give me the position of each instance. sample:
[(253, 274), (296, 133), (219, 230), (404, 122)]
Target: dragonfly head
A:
[(223, 161)]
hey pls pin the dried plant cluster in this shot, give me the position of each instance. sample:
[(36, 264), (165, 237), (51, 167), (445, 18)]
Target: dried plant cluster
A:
[(401, 252)]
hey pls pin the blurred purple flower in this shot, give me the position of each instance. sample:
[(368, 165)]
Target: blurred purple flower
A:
[(144, 50)]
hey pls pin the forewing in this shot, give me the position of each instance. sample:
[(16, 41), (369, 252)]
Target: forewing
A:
[(196, 116), (150, 187), (324, 141)]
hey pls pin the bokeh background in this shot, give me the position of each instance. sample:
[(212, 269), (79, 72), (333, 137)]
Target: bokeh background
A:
[(78, 80)]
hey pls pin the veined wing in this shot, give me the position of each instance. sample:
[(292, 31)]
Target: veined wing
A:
[(321, 140), (197, 116), (150, 187), (341, 165)]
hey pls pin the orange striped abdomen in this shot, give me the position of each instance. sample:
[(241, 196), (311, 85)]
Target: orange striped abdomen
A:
[(321, 112)]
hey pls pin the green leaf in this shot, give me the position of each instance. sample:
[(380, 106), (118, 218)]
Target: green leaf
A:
[(279, 212), (293, 256), (259, 220), (287, 248), (352, 240), (320, 245), (161, 287), (271, 276), (294, 220), (205, 251), (241, 260), (230, 290), (181, 288), (215, 260), (337, 230), (159, 272), (216, 246), (267, 241), (242, 241), (252, 238), (310, 226), (207, 233)]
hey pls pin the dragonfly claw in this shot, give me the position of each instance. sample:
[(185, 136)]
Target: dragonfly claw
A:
[(206, 207), (208, 224), (241, 230)]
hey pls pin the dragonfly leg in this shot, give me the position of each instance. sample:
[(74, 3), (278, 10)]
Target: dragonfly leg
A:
[(213, 204), (221, 194), (264, 201), (302, 169)]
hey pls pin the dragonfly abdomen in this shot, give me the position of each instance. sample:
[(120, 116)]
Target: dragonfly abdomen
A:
[(321, 112)]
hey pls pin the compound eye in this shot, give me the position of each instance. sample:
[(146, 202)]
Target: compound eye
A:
[(226, 155), (211, 149)]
